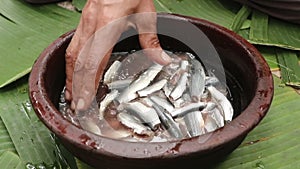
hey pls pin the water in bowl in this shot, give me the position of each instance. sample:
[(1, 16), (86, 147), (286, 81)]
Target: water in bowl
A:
[(140, 100)]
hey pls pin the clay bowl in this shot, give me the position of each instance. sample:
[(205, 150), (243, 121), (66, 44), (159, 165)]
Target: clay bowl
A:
[(247, 75)]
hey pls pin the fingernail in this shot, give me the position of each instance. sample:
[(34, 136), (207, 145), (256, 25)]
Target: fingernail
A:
[(166, 57), (80, 104)]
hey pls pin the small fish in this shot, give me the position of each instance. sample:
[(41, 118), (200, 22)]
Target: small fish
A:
[(197, 86), (186, 97), (223, 101), (180, 112), (210, 124), (211, 81), (168, 89), (153, 88), (134, 123), (146, 114), (176, 75), (217, 115), (180, 102), (140, 83), (194, 123), (209, 106), (181, 87), (167, 121), (106, 101), (162, 102), (184, 65), (119, 84), (169, 70), (184, 100), (111, 72)]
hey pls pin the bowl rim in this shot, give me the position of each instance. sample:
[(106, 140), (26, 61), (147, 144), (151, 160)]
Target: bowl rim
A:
[(238, 127)]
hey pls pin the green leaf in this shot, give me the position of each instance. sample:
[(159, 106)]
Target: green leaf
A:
[(290, 69), (279, 33), (274, 143), (30, 137), (10, 160), (79, 4), (25, 30), (259, 27), (82, 165), (212, 10), (270, 56), (5, 141), (240, 18)]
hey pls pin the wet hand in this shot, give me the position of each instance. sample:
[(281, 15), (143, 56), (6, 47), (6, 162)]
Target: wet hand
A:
[(101, 24)]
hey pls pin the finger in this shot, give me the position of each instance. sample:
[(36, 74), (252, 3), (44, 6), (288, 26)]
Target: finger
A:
[(152, 48), (84, 31), (146, 26), (95, 55)]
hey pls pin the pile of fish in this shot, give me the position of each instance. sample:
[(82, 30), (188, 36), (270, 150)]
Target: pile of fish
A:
[(176, 101)]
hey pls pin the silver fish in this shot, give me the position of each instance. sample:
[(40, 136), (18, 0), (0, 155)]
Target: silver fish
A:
[(168, 89), (210, 124), (153, 88), (181, 87), (167, 121), (111, 72), (184, 64), (106, 101), (119, 84), (194, 123), (223, 101), (186, 97), (209, 107), (197, 86), (180, 102), (184, 100), (162, 102), (217, 115), (180, 112), (211, 80), (174, 78), (146, 114), (169, 70), (134, 123), (141, 82)]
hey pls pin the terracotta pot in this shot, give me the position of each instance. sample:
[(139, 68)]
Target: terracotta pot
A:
[(247, 74)]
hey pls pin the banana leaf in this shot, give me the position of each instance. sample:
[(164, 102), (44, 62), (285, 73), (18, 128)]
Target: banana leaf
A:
[(5, 140), (25, 134), (10, 160), (272, 144), (276, 33), (25, 142), (30, 137), (25, 30), (290, 69)]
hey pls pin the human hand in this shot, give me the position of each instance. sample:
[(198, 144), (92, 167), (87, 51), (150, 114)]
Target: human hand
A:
[(101, 24)]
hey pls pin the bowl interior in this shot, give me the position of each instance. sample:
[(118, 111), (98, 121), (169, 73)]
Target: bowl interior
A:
[(239, 68), (247, 75)]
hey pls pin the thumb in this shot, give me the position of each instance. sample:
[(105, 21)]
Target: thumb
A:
[(150, 43)]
